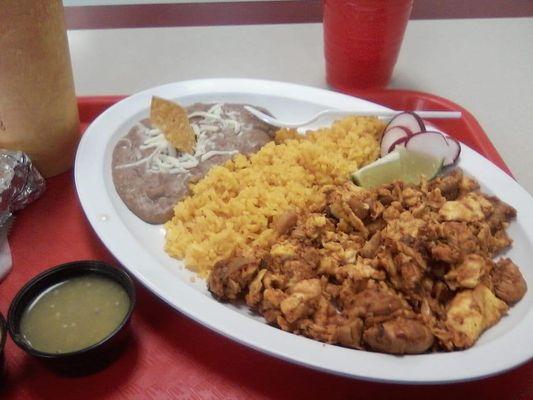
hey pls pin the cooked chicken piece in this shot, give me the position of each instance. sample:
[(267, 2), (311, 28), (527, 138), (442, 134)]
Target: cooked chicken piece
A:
[(384, 195), (501, 214), (325, 312), (255, 289), (349, 193), (471, 312), (270, 305), (370, 248), (300, 302), (329, 266), (399, 336), (341, 209), (411, 197), (348, 256), (272, 298), (468, 274), (229, 280), (478, 199), (469, 208), (500, 241), (284, 251), (404, 225), (509, 284), (274, 280), (468, 185), (386, 262), (374, 227), (411, 275), (445, 252), (375, 300), (315, 225), (441, 292), (283, 223), (435, 200), (349, 335), (448, 185), (459, 236), (362, 270), (359, 205), (411, 253), (392, 212)]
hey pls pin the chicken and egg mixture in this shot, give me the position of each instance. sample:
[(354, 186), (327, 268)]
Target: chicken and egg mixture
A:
[(399, 269)]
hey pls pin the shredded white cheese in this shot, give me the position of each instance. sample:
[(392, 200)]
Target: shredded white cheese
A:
[(212, 153), (205, 114), (138, 162), (208, 128), (205, 124)]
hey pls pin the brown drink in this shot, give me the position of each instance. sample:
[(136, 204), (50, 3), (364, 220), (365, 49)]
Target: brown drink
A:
[(38, 110)]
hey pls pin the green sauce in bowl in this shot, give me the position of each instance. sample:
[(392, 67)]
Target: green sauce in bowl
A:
[(74, 314)]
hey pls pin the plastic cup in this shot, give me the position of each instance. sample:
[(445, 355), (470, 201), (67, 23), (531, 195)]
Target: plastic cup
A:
[(362, 40), (38, 108)]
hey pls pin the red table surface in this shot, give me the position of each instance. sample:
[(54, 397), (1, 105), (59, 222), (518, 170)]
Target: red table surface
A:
[(173, 357)]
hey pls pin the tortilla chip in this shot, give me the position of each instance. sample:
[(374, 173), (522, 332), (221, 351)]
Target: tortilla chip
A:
[(172, 119)]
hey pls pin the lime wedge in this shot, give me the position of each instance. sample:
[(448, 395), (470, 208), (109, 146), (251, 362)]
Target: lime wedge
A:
[(400, 165)]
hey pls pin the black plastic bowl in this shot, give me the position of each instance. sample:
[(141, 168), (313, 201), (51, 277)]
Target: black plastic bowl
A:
[(89, 359)]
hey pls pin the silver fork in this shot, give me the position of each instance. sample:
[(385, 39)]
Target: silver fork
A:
[(341, 113)]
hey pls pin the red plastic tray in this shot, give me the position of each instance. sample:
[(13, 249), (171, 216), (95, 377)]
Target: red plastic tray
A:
[(173, 357)]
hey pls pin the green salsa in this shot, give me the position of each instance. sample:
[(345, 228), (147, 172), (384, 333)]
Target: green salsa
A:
[(74, 314)]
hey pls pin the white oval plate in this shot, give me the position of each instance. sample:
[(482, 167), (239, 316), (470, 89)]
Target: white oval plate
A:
[(139, 246)]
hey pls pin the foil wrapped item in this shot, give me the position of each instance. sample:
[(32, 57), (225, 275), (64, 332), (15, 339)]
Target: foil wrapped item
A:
[(20, 184)]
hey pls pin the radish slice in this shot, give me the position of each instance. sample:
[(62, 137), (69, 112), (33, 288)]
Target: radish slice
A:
[(401, 142), (391, 136), (455, 150), (431, 143), (410, 121), (398, 143)]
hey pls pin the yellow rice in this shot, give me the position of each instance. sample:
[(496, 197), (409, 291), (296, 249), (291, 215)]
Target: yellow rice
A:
[(230, 208)]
